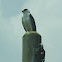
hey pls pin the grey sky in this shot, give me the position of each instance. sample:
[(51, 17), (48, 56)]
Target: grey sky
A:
[(48, 17), (12, 7)]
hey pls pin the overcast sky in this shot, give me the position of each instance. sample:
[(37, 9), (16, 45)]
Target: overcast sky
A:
[(48, 18)]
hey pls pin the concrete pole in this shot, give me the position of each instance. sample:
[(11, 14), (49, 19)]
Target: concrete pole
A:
[(31, 47)]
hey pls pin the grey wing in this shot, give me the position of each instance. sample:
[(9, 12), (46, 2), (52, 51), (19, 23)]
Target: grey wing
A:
[(23, 24), (33, 22)]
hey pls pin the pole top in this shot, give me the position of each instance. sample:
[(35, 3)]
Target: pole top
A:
[(31, 32)]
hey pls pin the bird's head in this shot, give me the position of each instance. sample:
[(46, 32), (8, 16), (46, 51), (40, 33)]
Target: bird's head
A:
[(25, 11)]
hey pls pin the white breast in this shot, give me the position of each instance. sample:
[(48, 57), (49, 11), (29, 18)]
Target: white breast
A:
[(27, 23)]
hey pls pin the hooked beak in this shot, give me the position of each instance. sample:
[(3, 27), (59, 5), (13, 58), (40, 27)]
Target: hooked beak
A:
[(22, 10)]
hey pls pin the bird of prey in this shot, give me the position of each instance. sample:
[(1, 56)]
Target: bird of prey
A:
[(28, 21)]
